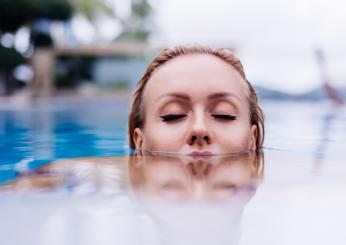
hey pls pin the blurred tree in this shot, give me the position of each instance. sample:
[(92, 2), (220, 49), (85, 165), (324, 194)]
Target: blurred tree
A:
[(9, 59), (90, 8), (135, 28), (138, 26), (17, 13), (36, 14)]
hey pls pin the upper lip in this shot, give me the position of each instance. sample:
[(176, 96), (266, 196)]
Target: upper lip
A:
[(201, 154)]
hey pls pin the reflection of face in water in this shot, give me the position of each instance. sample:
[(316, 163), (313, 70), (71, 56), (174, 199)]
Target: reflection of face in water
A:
[(196, 178), (218, 189)]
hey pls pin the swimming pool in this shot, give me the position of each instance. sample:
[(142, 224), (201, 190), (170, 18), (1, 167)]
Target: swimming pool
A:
[(300, 200), (45, 131)]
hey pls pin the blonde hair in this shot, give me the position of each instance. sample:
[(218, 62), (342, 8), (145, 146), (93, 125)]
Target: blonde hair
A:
[(136, 117)]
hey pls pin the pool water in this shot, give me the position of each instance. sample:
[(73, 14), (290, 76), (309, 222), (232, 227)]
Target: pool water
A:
[(296, 197), (47, 131)]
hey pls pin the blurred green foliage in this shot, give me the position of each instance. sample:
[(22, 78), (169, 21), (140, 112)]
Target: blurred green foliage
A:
[(138, 26), (70, 71), (40, 39), (9, 58), (15, 13), (141, 8), (89, 8)]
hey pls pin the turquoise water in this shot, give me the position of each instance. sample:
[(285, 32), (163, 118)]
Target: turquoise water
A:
[(35, 134)]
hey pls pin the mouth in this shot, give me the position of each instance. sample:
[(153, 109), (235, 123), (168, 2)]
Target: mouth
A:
[(201, 154)]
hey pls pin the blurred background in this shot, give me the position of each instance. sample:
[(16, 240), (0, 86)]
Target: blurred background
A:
[(290, 49)]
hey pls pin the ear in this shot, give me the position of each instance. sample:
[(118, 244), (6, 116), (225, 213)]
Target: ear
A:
[(254, 133), (138, 138)]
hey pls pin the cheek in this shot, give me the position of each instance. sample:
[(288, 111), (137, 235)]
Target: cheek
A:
[(232, 139), (160, 137)]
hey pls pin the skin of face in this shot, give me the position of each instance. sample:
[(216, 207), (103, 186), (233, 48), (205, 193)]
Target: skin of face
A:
[(196, 103)]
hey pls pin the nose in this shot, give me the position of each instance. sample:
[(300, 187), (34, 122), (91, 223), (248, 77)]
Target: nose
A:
[(199, 134)]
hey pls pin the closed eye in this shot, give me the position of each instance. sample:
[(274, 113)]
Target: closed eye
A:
[(224, 117), (172, 117)]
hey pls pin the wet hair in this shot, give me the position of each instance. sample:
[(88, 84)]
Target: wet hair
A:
[(136, 117)]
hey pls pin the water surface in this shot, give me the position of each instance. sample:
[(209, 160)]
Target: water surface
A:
[(294, 195)]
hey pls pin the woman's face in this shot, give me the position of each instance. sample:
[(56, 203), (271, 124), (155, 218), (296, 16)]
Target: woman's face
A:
[(197, 105)]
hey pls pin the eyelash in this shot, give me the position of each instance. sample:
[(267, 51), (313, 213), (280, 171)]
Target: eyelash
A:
[(225, 117), (172, 117), (175, 117)]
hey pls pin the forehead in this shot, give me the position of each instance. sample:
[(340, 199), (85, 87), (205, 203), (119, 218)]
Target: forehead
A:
[(193, 73)]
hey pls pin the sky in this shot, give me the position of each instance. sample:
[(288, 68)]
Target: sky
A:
[(275, 39)]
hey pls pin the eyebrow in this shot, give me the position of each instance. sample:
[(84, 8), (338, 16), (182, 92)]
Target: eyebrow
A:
[(222, 95), (214, 96), (175, 95)]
